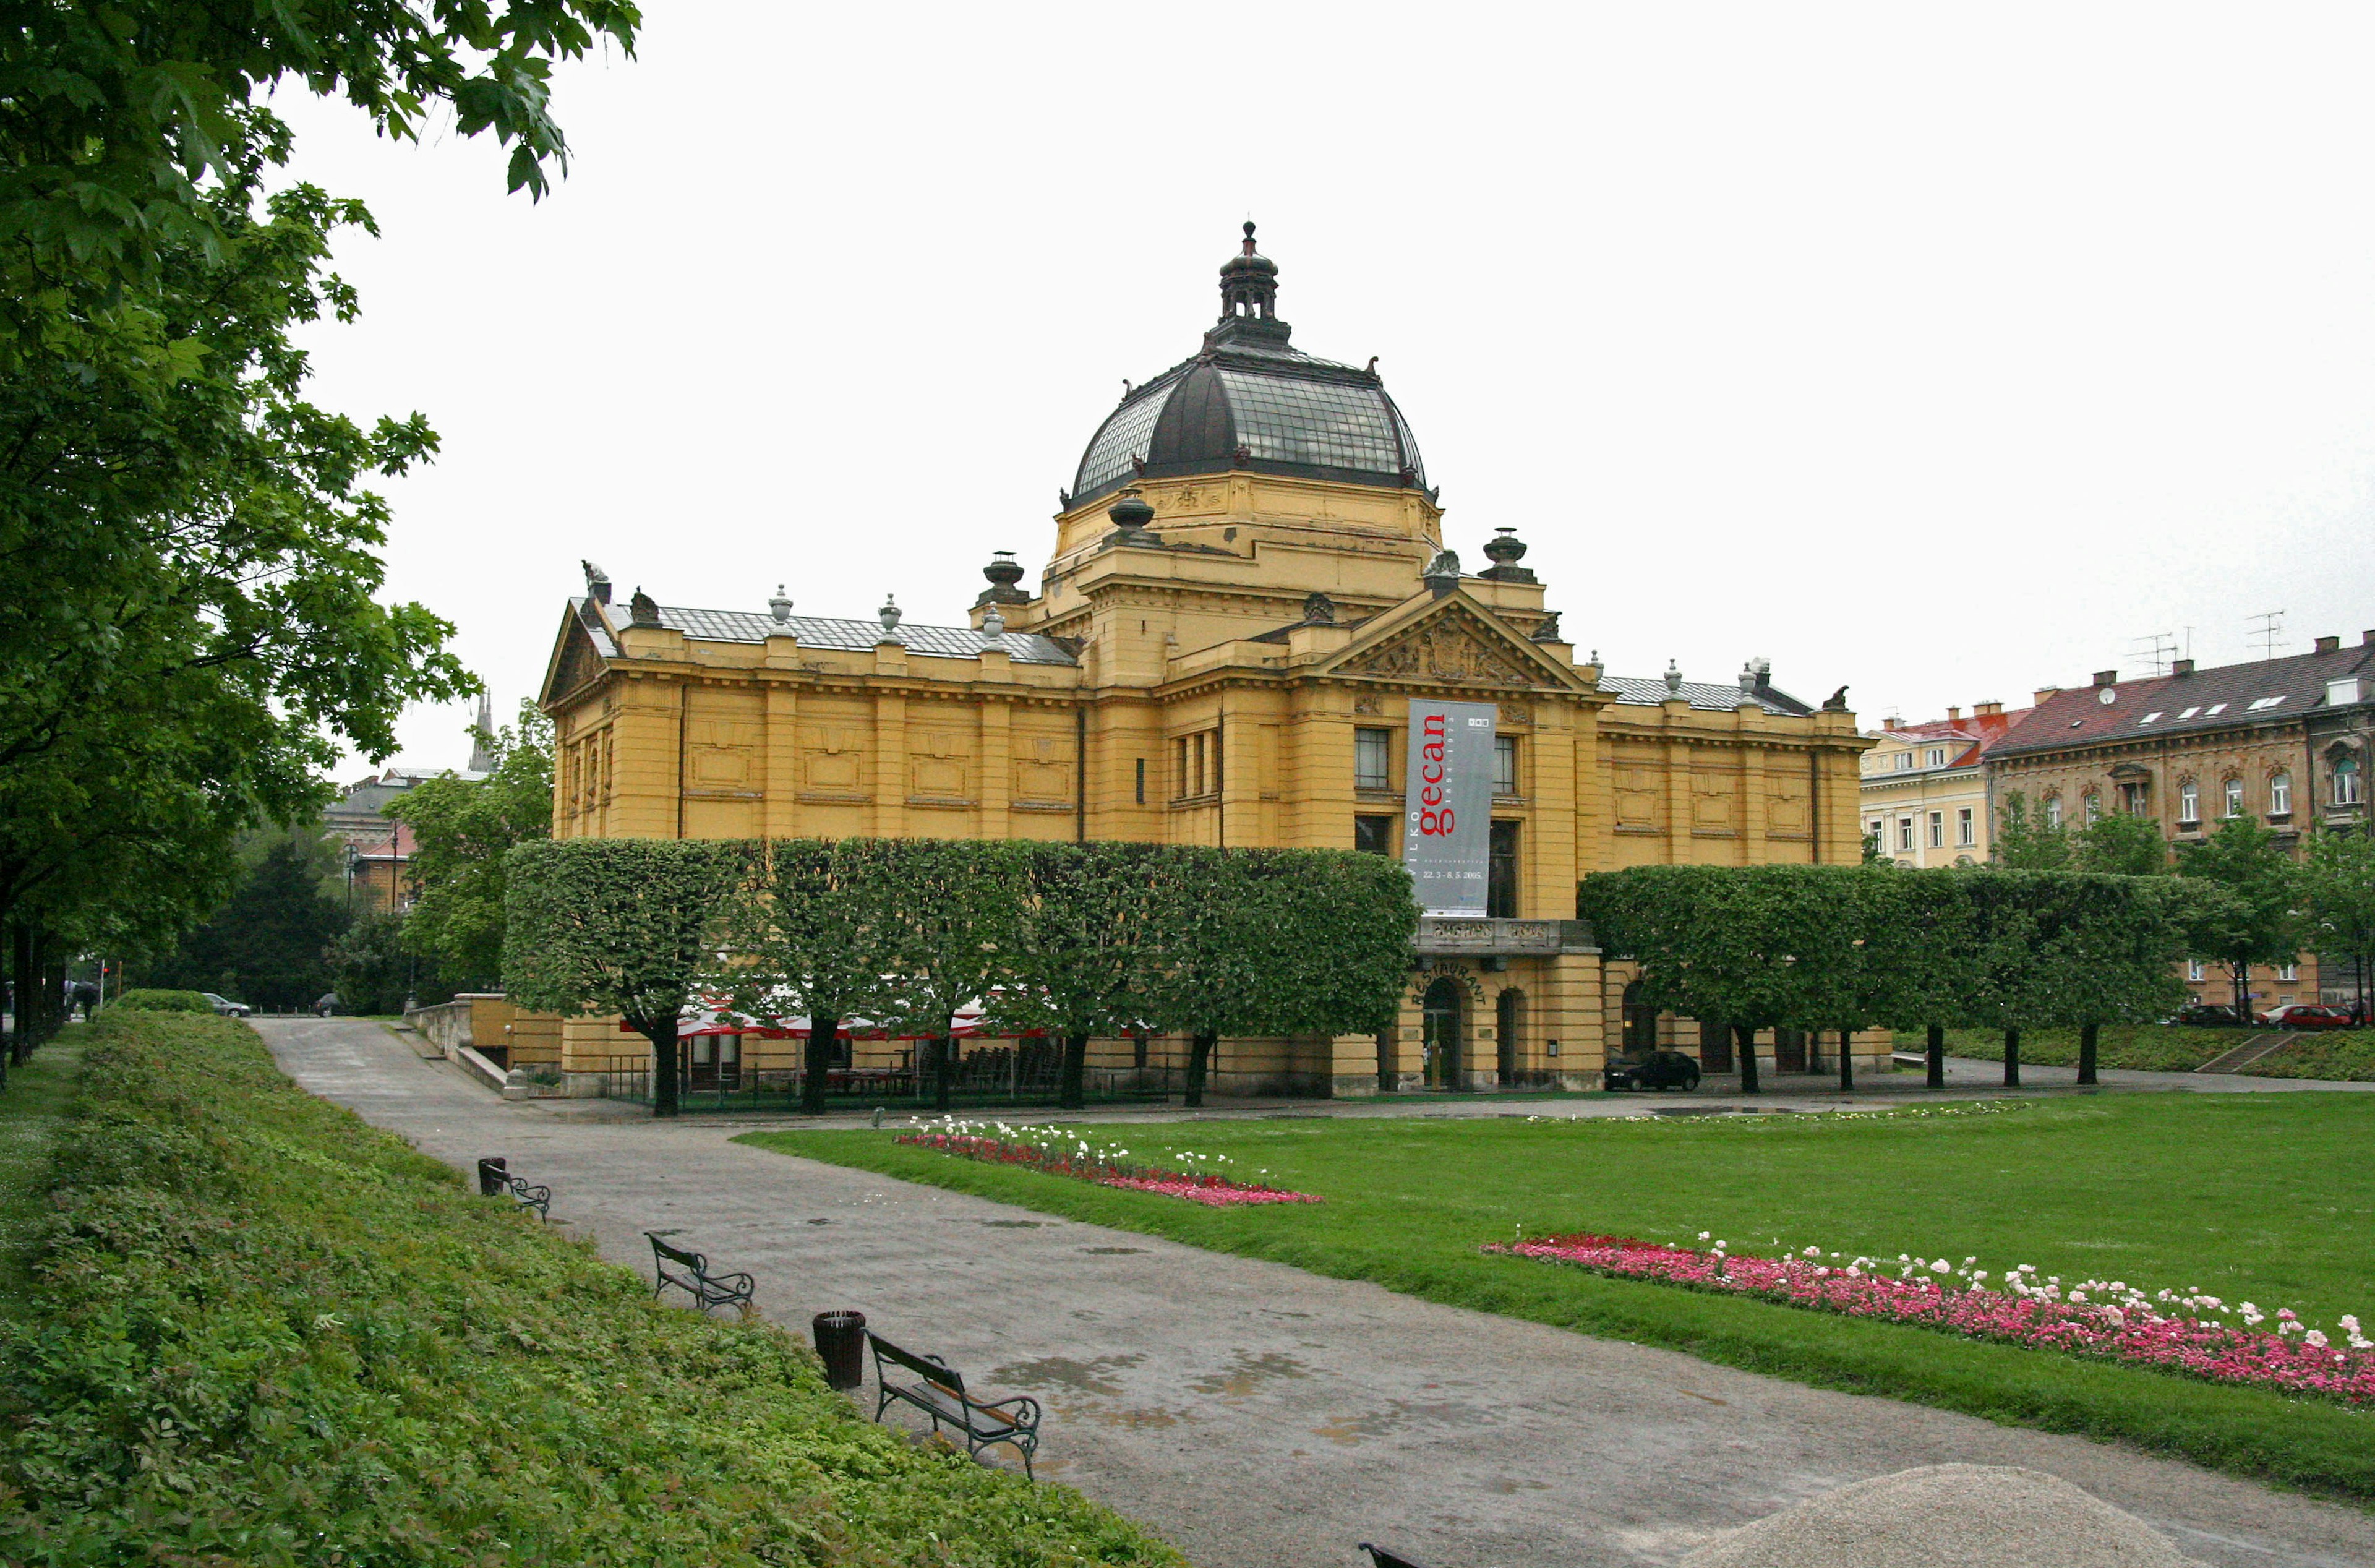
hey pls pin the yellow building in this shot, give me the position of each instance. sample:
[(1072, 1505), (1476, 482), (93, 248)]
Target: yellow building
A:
[(1925, 787), (1248, 581)]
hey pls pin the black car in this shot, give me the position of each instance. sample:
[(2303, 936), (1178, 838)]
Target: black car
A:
[(1660, 1069), (2207, 1015)]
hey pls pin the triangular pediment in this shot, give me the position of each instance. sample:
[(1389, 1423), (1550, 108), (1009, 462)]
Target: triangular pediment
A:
[(575, 658), (1452, 640)]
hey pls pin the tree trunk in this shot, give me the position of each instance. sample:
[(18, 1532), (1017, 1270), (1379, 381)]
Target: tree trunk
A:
[(1847, 1062), (54, 994), (1935, 1049), (662, 1035), (2239, 976), (1199, 1061), (1746, 1036), (944, 1070), (1073, 1094), (2086, 1037), (817, 1062), (2011, 1058)]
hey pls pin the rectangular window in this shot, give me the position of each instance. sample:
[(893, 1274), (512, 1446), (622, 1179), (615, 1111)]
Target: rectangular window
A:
[(2189, 802), (2345, 781), (2053, 811), (2234, 797), (1501, 873), (1373, 835), (2132, 798), (1504, 764), (1904, 761), (1937, 830), (1905, 833), (2194, 968), (1879, 833), (2288, 972), (1937, 758), (2280, 795), (1966, 827), (1141, 780), (1370, 748)]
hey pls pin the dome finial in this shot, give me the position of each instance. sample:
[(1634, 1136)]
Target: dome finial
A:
[(1248, 296), (1249, 236)]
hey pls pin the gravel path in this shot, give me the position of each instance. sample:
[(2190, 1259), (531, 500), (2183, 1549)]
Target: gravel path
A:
[(1259, 1416)]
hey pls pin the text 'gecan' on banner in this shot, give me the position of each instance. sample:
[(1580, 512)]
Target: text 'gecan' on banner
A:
[(1448, 805)]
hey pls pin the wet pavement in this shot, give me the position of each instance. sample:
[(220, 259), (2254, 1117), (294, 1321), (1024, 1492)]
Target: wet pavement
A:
[(1259, 1416)]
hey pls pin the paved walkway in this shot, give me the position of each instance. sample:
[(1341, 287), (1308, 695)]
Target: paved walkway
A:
[(1259, 1416)]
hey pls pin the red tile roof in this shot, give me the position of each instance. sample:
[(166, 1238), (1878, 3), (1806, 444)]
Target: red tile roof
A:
[(2269, 690)]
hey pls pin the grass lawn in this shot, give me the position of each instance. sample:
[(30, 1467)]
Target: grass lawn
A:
[(2266, 1197), (2157, 1047), (31, 1109)]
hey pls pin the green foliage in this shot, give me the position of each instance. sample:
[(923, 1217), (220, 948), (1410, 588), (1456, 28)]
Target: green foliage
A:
[(262, 1332), (376, 971), (2337, 885), (2026, 841), (2149, 1196), (2122, 845), (268, 945), (2257, 920), (462, 830), (141, 999), (619, 926)]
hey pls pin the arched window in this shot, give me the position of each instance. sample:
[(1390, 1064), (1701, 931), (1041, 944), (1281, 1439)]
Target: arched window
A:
[(2094, 808), (2346, 781), (2053, 811)]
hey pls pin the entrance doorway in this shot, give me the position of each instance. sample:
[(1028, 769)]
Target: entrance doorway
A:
[(1640, 1023), (1440, 1011), (1510, 1031), (712, 1061)]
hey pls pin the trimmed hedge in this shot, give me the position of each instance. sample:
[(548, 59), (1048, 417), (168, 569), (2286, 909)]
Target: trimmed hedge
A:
[(164, 1002), (263, 1332), (2347, 1054)]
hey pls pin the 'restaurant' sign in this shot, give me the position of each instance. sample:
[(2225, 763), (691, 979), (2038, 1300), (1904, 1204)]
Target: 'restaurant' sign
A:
[(1448, 805)]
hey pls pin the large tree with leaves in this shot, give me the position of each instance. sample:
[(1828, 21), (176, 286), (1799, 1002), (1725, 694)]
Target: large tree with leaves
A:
[(809, 937), (627, 928), (946, 929), (2259, 920), (463, 830), (2337, 886)]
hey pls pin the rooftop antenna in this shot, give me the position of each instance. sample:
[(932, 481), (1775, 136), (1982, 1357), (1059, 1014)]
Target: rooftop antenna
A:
[(2268, 631), (2156, 649)]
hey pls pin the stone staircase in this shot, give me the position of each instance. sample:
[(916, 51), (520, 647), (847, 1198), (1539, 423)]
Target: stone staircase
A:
[(2254, 1048)]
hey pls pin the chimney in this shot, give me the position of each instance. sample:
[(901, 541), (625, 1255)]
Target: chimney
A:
[(1953, 715), (1986, 710), (2107, 677), (2181, 667), (2366, 639), (1891, 722), (2043, 693), (2327, 645)]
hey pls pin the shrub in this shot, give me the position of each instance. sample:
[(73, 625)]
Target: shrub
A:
[(164, 1002), (263, 1332)]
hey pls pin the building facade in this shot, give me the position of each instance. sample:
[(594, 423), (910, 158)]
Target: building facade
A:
[(2286, 740), (1248, 584), (1925, 790)]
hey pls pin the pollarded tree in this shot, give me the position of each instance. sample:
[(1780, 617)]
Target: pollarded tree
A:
[(947, 934), (2259, 921), (810, 935), (1089, 922), (1703, 940), (619, 925)]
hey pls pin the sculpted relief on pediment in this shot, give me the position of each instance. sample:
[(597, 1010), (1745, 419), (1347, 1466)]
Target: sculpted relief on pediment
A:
[(1444, 651)]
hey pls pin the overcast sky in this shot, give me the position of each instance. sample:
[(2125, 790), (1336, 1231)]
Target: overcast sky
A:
[(1945, 355)]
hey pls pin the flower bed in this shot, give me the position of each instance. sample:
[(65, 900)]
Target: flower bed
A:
[(2187, 1332), (1060, 1154)]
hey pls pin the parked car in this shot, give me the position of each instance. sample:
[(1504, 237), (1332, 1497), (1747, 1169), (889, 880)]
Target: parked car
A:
[(1662, 1069), (2209, 1015), (225, 1006), (2307, 1015)]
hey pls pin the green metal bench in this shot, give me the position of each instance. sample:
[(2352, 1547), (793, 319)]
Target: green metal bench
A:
[(690, 1272), (941, 1396)]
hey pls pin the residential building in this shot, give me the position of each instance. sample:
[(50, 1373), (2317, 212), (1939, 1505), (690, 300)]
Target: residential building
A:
[(1924, 789), (2286, 740), (1248, 584), (380, 847)]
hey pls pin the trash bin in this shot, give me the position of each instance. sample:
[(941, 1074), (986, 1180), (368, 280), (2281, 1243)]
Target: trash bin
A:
[(841, 1345), (492, 1173)]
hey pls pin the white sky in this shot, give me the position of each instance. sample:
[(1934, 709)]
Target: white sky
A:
[(1943, 354)]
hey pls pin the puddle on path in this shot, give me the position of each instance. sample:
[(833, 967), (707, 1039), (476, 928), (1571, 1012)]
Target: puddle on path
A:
[(1508, 1488), (1113, 1252), (1351, 1431), (1015, 1225), (1246, 1372), (1057, 1372)]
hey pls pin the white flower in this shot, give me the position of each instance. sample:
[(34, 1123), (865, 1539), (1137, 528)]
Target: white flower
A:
[(1940, 1266), (2314, 1338)]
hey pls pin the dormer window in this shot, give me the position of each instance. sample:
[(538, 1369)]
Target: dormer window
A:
[(2262, 703), (1904, 761), (1937, 757)]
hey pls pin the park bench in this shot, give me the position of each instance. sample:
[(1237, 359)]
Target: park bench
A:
[(1379, 1556), (690, 1272), (941, 1396), (494, 1176)]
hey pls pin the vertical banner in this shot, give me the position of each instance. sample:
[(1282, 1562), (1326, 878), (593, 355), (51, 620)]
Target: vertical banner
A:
[(1448, 805)]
